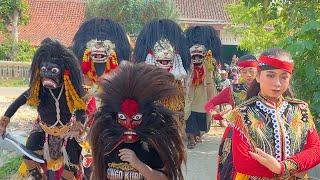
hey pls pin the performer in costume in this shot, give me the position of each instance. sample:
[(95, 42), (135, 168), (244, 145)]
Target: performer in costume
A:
[(204, 45), (134, 136), (100, 44), (162, 43), (273, 133), (234, 96), (56, 90)]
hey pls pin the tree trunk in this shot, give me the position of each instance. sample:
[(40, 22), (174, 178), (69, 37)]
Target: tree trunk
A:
[(15, 35)]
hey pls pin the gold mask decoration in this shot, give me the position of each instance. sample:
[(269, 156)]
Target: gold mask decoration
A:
[(163, 54), (198, 53), (100, 50)]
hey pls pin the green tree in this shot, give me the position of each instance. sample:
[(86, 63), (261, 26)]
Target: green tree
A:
[(13, 13), (131, 14), (292, 25)]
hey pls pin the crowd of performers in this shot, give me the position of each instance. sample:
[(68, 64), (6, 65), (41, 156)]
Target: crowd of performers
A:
[(106, 111)]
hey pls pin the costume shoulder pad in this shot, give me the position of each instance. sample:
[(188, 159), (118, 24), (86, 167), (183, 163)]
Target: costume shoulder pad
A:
[(294, 100), (248, 102)]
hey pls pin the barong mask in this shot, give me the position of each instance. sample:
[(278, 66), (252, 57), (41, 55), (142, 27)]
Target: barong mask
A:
[(163, 54), (204, 47), (51, 74), (198, 53), (54, 66), (129, 118), (100, 53), (162, 43), (130, 111), (100, 44)]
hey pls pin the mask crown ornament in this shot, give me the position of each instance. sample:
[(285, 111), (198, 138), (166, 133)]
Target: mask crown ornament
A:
[(100, 50), (163, 54), (198, 53)]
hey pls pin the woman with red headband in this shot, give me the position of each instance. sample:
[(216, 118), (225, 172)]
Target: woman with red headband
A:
[(274, 134), (233, 95)]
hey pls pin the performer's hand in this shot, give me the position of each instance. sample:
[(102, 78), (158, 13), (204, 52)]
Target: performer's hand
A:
[(267, 160), (130, 157), (4, 121)]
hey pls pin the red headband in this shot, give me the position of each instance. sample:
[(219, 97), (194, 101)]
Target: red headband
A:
[(248, 63), (276, 63)]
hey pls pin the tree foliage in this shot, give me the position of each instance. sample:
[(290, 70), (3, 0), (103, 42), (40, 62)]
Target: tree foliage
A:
[(7, 8), (13, 13), (292, 25), (131, 14), (24, 54)]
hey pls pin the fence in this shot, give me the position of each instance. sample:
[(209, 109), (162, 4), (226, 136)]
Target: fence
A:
[(16, 70)]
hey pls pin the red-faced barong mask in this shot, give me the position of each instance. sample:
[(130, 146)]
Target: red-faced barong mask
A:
[(129, 118)]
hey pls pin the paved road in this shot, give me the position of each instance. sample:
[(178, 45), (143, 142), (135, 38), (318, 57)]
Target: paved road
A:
[(202, 161), (12, 91)]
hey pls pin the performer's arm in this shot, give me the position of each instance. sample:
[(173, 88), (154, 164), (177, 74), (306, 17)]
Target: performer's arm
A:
[(306, 159), (5, 119), (225, 96), (147, 172), (242, 160), (21, 100)]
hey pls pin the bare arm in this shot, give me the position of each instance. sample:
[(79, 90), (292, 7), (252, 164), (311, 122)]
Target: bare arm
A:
[(147, 172)]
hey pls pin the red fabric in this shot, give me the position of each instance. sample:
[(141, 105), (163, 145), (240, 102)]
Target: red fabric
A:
[(248, 63), (242, 160), (198, 75), (86, 66), (91, 106), (217, 117), (150, 52), (66, 72), (224, 136), (310, 155), (224, 97), (279, 64), (58, 174), (129, 107)]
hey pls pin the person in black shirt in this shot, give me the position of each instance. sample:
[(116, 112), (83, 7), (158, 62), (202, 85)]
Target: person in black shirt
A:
[(134, 136)]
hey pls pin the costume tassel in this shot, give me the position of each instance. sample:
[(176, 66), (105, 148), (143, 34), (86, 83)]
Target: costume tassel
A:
[(174, 103), (46, 152), (66, 159), (73, 100), (33, 99), (209, 61), (178, 70)]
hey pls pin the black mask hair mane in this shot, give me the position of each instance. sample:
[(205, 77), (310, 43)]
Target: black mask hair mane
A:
[(153, 32), (146, 84), (52, 50), (101, 29), (207, 36)]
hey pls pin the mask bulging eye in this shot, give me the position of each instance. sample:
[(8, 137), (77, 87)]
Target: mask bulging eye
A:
[(137, 117), (121, 116), (55, 70), (43, 69)]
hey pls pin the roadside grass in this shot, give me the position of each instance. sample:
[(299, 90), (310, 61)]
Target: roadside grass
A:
[(10, 167), (14, 82)]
